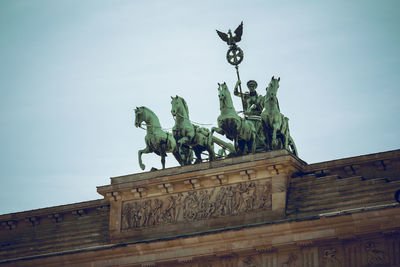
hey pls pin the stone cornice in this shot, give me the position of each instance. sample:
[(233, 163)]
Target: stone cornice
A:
[(45, 212), (204, 175), (363, 159)]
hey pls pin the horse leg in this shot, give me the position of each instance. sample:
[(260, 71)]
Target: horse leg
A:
[(274, 140), (264, 127), (210, 150), (276, 125), (268, 123), (178, 157), (286, 143), (184, 151), (253, 143), (183, 154), (236, 145), (163, 160), (197, 152), (240, 146), (140, 152)]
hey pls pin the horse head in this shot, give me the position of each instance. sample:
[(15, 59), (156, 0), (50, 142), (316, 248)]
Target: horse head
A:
[(174, 103), (272, 88), (139, 116), (222, 91), (179, 107), (225, 99)]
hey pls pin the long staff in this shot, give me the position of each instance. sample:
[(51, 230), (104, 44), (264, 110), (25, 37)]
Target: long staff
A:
[(240, 86)]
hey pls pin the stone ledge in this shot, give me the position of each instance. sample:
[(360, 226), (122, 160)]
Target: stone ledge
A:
[(184, 170), (45, 212), (358, 160), (152, 182)]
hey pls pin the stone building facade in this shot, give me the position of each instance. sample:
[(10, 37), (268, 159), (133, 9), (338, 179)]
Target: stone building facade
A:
[(265, 209)]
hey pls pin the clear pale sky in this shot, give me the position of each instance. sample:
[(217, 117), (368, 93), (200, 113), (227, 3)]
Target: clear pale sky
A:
[(71, 73)]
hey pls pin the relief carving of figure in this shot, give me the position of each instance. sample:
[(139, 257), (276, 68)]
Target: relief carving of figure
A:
[(145, 213), (127, 215), (238, 201), (229, 200), (250, 196), (168, 215), (262, 196), (205, 209), (190, 207), (179, 207), (156, 212), (197, 205), (220, 202)]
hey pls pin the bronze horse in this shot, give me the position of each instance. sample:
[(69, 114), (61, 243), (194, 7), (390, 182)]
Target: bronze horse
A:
[(276, 125), (230, 124)]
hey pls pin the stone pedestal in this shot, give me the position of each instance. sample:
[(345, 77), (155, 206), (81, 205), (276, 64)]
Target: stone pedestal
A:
[(208, 196)]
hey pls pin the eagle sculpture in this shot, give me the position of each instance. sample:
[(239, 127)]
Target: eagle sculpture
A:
[(229, 39)]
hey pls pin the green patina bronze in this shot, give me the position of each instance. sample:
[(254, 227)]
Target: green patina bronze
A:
[(157, 140), (262, 128), (253, 104), (194, 136), (187, 134), (234, 55), (276, 125), (230, 124)]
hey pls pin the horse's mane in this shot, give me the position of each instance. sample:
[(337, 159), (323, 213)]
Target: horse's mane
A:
[(185, 105), (152, 116), (149, 110)]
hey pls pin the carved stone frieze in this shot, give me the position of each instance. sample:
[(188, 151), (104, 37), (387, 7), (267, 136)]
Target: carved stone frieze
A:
[(197, 205)]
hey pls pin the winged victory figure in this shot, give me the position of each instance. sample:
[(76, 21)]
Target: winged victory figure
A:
[(229, 39)]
